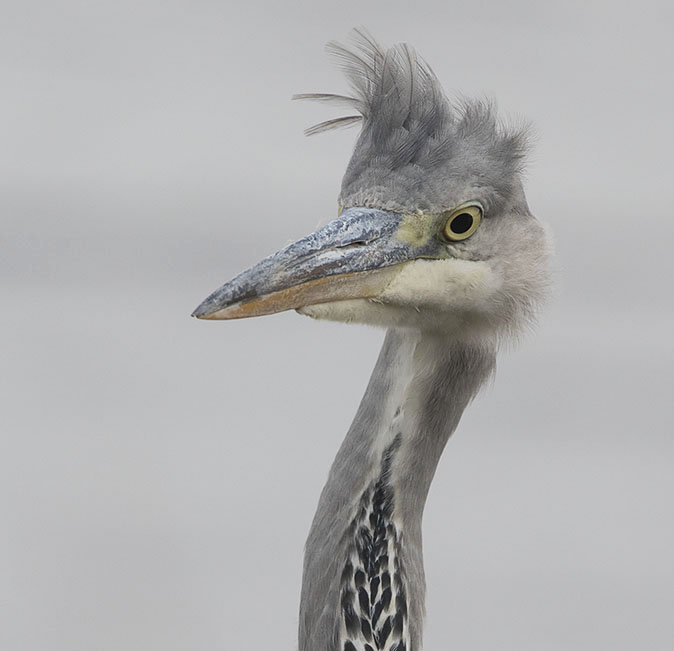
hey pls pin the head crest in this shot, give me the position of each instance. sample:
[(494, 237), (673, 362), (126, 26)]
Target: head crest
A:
[(413, 141)]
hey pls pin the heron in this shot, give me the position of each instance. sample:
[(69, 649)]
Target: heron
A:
[(435, 242)]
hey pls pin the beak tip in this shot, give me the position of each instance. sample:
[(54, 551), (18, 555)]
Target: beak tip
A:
[(202, 311), (212, 306), (207, 311)]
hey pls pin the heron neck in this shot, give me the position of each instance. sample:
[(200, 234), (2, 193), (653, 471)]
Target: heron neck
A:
[(363, 577)]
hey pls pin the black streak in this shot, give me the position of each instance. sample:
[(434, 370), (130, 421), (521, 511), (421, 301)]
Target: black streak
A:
[(364, 601), (366, 629), (384, 632), (371, 583)]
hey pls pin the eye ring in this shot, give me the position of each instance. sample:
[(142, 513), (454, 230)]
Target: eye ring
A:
[(463, 221)]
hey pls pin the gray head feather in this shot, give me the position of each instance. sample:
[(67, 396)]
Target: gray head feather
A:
[(416, 150)]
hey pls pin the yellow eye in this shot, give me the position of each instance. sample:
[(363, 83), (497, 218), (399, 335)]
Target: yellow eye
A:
[(463, 221)]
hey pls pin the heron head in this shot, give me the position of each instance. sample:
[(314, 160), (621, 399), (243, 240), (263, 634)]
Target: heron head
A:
[(434, 231)]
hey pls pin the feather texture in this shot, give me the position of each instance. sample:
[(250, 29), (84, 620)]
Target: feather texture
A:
[(413, 140), (333, 124)]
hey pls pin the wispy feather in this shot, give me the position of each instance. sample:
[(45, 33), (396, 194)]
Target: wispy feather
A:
[(411, 133), (333, 124)]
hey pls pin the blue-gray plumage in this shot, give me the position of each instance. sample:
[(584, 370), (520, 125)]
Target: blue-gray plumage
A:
[(436, 243)]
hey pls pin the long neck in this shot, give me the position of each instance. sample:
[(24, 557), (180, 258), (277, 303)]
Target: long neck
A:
[(363, 580)]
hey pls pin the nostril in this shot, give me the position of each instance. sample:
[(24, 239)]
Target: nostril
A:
[(356, 243)]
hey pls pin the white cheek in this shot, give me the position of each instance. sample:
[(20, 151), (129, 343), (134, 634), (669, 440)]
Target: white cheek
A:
[(451, 285)]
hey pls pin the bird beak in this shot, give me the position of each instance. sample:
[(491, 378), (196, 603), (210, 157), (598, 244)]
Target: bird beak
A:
[(355, 256)]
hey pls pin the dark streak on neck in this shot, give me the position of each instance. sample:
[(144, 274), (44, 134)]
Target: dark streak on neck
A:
[(373, 597)]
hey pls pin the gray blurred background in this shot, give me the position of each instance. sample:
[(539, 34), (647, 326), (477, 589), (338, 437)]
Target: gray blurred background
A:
[(158, 474)]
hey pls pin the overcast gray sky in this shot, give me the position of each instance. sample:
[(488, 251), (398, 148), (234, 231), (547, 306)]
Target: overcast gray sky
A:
[(158, 474)]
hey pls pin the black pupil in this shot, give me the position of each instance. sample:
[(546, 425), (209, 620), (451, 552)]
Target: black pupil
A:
[(461, 223)]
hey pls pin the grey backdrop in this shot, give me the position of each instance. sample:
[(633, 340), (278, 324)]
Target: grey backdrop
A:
[(158, 474)]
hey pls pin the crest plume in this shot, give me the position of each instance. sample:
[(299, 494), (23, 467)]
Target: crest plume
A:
[(413, 139)]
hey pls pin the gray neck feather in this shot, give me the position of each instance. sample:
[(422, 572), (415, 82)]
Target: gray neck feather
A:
[(363, 585)]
